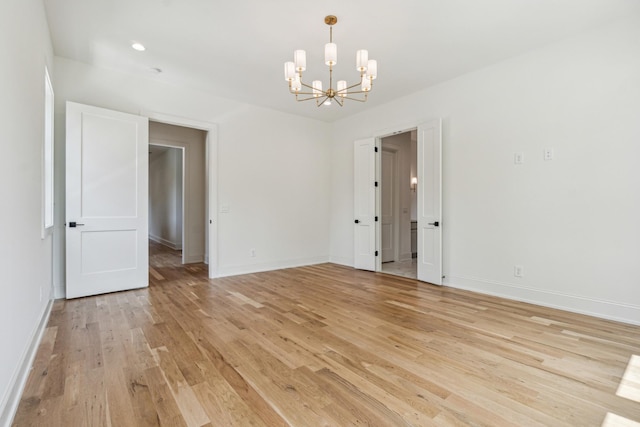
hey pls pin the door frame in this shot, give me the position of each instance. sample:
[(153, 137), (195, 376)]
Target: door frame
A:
[(211, 177), (378, 135)]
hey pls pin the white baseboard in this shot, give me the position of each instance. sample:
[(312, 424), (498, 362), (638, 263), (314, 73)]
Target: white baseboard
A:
[(627, 313), (59, 291), (191, 259), (342, 260), (268, 266), (9, 406), (167, 243)]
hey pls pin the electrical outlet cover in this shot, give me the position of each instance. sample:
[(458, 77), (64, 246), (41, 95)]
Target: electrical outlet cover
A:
[(518, 271)]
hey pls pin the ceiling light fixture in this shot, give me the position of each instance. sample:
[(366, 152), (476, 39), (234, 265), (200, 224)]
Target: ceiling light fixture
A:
[(368, 69), (138, 46)]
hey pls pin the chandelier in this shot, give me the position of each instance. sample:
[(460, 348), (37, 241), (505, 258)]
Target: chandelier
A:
[(368, 69)]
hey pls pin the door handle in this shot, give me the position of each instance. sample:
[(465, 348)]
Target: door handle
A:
[(435, 223), (74, 224), (357, 221)]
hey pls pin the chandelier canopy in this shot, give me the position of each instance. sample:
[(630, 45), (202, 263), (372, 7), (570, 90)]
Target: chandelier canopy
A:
[(368, 69)]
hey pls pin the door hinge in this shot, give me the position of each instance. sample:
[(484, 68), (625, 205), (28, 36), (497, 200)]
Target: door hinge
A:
[(376, 253), (376, 219), (375, 149), (376, 183)]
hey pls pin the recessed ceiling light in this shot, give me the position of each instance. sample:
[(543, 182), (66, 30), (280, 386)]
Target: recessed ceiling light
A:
[(138, 46)]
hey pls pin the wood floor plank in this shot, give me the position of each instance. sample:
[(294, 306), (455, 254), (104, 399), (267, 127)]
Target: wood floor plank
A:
[(40, 371), (184, 396), (222, 404), (138, 392), (324, 345), (166, 406)]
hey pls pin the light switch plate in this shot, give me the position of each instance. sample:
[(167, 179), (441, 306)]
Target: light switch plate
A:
[(518, 158)]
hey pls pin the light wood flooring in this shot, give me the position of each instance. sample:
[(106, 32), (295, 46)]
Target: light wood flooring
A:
[(322, 345)]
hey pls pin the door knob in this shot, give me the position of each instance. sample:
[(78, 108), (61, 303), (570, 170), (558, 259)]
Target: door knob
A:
[(74, 224), (357, 221), (435, 224)]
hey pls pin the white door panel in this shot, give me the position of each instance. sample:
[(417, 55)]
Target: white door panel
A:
[(430, 202), (106, 196), (364, 196)]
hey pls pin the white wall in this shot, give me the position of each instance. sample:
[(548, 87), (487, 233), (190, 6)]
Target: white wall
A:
[(165, 198), (571, 222), (273, 169), (25, 257), (194, 143)]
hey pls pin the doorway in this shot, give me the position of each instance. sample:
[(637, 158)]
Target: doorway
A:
[(177, 193), (115, 154), (211, 180), (166, 206), (398, 204), (367, 201)]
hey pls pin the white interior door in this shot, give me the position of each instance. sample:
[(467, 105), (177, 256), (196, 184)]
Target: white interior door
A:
[(364, 196), (387, 206), (429, 191), (106, 201)]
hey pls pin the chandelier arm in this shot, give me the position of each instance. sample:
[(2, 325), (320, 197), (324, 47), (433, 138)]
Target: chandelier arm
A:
[(300, 93), (352, 86), (305, 99), (323, 101), (305, 85), (345, 95), (356, 99), (365, 91), (340, 102)]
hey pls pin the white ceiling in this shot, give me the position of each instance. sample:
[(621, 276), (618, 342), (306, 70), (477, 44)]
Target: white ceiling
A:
[(236, 48)]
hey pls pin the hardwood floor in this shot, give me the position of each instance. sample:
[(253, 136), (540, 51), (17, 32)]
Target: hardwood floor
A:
[(163, 256), (322, 345)]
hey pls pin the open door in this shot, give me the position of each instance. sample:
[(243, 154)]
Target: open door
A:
[(364, 196), (106, 201), (429, 190)]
